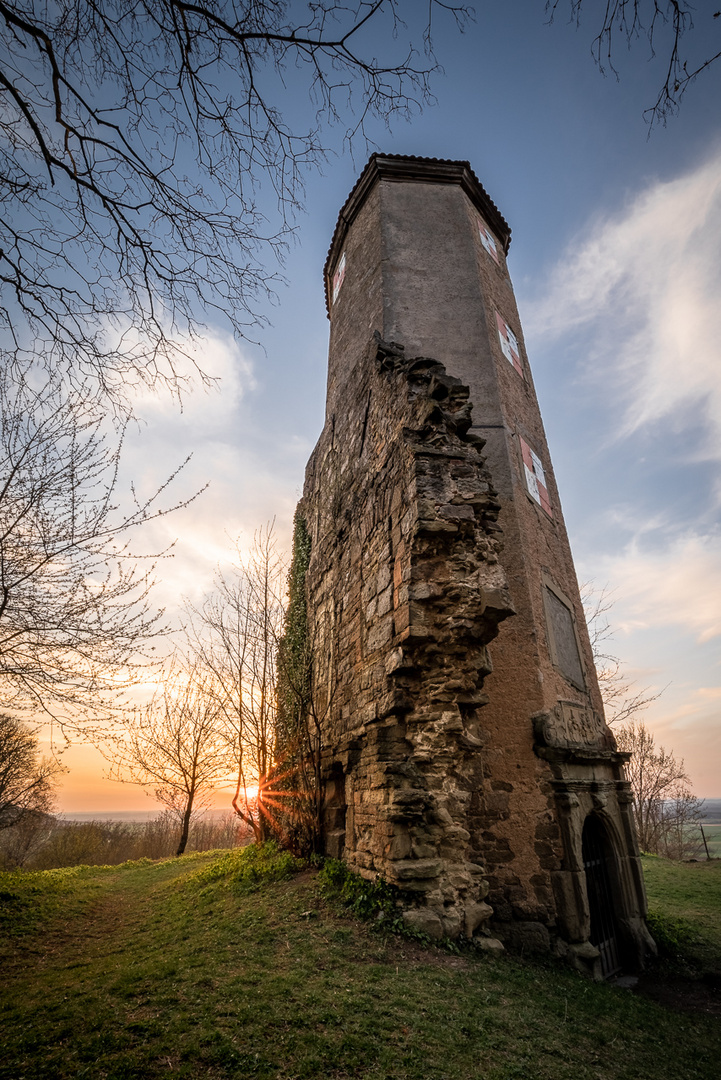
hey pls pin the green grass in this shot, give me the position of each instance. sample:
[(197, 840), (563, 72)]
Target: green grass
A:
[(197, 967), (685, 905)]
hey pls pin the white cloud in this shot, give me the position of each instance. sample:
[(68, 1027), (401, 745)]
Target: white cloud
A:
[(643, 287), (202, 406), (677, 584), (703, 700), (251, 472)]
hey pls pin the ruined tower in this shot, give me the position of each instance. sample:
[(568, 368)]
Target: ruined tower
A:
[(465, 751)]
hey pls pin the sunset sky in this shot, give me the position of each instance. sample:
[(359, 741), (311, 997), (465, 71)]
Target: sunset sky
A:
[(616, 262)]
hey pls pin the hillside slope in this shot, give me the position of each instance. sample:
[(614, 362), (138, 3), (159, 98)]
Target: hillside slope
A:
[(177, 969)]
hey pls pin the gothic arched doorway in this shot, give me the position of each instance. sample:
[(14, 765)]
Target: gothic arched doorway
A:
[(604, 931)]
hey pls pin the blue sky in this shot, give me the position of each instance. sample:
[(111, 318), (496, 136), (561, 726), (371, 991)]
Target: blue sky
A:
[(616, 262)]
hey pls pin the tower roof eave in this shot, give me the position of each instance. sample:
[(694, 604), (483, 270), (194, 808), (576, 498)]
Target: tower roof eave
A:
[(411, 169)]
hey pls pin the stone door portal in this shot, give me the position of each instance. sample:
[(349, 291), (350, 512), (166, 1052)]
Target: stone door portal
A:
[(604, 933)]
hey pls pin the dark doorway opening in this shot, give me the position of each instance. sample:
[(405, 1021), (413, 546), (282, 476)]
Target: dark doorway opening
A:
[(604, 931), (334, 812)]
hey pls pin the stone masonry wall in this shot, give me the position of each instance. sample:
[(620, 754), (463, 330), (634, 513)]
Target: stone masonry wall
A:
[(405, 592)]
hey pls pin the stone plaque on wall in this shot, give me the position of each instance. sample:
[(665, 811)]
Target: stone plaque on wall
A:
[(579, 724), (562, 633)]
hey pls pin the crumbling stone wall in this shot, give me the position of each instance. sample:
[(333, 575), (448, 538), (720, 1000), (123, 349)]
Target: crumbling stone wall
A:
[(406, 591)]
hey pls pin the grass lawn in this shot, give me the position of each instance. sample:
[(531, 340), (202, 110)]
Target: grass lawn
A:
[(689, 896), (177, 969)]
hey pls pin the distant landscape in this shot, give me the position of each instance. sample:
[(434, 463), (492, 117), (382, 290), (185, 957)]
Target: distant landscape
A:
[(45, 842), (712, 811), (112, 837), (139, 816)]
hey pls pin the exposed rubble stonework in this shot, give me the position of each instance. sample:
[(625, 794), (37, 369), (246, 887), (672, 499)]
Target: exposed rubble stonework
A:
[(466, 757), (407, 591)]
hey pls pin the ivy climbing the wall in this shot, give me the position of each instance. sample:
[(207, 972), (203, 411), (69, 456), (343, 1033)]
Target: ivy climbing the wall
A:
[(294, 675), (298, 749)]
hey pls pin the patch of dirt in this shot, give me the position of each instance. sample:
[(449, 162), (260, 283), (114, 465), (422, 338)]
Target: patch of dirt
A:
[(412, 953), (682, 993)]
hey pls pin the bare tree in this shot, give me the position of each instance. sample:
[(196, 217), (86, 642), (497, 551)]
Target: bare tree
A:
[(74, 607), (259, 653), (175, 746), (622, 700), (667, 811), (668, 27), (234, 637), (135, 139), (27, 781), (20, 844)]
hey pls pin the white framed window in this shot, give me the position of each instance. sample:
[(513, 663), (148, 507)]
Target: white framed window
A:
[(535, 476), (509, 344), (338, 277), (488, 240)]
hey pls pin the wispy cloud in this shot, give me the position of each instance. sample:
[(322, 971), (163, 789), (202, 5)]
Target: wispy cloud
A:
[(204, 406), (677, 584), (642, 287), (249, 480)]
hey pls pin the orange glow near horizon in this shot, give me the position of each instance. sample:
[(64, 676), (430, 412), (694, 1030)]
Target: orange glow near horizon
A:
[(85, 788)]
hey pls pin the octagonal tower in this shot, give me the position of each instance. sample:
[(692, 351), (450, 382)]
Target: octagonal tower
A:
[(454, 646)]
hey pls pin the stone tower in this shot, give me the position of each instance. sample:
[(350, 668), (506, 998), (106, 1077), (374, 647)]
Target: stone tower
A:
[(466, 755)]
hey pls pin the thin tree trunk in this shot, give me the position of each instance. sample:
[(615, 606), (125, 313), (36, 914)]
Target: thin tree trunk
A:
[(186, 826)]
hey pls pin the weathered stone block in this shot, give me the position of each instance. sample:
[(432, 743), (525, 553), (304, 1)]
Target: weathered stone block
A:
[(452, 921), (407, 870), (450, 512), (490, 945), (476, 915), (426, 921)]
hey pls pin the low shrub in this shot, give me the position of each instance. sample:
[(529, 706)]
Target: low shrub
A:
[(371, 900), (248, 868)]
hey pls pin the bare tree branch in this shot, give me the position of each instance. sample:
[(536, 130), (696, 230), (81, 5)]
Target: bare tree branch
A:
[(667, 812), (27, 783), (134, 142), (74, 598), (668, 27), (622, 701)]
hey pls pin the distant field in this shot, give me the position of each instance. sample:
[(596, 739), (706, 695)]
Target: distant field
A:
[(711, 828), (713, 841), (712, 811), (688, 894)]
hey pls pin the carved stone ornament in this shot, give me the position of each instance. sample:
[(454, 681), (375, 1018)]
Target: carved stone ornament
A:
[(571, 725)]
